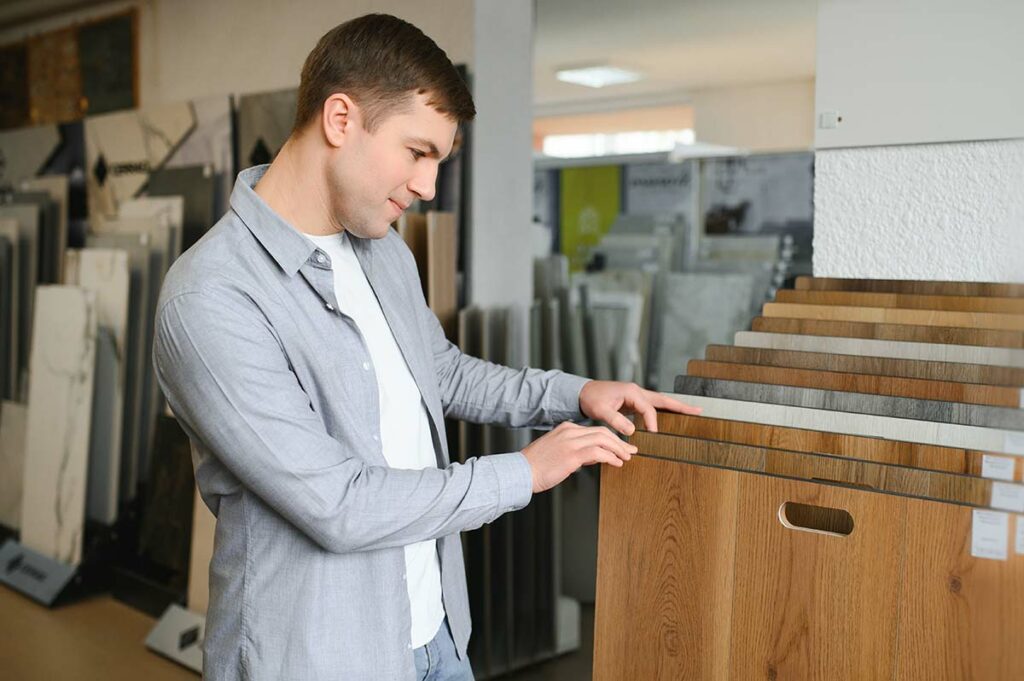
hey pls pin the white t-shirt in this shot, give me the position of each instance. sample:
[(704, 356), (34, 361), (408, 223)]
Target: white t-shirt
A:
[(404, 429)]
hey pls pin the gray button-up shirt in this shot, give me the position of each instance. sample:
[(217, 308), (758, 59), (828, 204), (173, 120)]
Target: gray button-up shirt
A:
[(266, 376)]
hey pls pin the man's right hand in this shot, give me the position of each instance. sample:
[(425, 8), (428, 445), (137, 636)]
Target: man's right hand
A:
[(561, 452)]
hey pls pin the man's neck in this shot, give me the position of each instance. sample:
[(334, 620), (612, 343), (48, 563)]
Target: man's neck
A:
[(299, 197)]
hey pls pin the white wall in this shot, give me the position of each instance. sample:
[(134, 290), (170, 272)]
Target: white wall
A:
[(947, 211), (765, 117)]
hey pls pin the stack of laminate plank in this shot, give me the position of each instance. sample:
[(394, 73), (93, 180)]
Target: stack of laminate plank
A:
[(848, 505)]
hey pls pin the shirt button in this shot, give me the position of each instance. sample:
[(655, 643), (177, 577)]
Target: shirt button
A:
[(320, 258), (376, 438), (329, 306), (366, 366)]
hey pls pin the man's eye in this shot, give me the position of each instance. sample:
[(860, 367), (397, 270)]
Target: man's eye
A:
[(417, 154)]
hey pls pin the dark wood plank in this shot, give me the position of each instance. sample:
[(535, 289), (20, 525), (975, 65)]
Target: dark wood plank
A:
[(930, 288), (895, 332)]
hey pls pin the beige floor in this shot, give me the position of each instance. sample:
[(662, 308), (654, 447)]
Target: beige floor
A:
[(102, 639)]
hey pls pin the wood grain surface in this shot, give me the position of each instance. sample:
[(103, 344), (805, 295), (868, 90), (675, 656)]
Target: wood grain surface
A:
[(895, 332), (895, 386), (903, 300), (982, 374), (889, 315), (928, 288), (918, 483), (858, 403), (879, 450)]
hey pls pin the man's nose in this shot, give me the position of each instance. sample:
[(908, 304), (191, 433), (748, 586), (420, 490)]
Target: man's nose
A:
[(423, 183)]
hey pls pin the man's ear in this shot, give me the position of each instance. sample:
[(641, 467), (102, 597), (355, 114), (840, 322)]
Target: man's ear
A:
[(338, 115)]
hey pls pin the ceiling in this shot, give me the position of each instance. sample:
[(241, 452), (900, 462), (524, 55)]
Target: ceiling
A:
[(678, 45)]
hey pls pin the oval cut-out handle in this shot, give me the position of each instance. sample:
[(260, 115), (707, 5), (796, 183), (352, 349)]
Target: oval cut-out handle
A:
[(819, 519)]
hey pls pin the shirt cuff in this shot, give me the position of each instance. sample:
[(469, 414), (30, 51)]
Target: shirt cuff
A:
[(515, 480), (565, 397)]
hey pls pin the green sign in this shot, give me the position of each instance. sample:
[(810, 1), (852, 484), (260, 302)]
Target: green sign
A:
[(590, 204)]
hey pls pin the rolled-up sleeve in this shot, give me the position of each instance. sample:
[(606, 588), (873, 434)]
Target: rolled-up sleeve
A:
[(228, 380)]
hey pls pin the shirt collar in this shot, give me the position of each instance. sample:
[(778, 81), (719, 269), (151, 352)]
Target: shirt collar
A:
[(284, 243)]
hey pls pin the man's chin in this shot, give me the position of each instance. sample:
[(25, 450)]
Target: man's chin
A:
[(370, 232)]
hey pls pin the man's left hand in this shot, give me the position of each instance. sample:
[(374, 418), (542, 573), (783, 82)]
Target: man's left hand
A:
[(608, 400)]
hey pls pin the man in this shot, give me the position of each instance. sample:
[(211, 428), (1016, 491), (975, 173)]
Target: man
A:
[(295, 347)]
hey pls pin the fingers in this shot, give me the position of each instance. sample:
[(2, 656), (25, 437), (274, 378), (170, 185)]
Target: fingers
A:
[(667, 403), (620, 423), (601, 437)]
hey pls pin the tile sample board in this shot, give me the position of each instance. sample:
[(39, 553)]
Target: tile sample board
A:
[(198, 188), (8, 307), (897, 332), (264, 121), (697, 309), (887, 315), (921, 389), (58, 423), (877, 449), (56, 187), (927, 288), (856, 403), (27, 218), (106, 274), (25, 151), (926, 432), (903, 300), (936, 352), (12, 462), (122, 148), (961, 372)]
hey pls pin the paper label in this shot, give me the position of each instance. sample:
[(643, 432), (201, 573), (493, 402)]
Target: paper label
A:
[(1022, 398), (990, 532), (1020, 534), (998, 467), (1013, 443), (1007, 496)]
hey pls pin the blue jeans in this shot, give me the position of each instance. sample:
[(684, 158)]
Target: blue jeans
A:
[(437, 661)]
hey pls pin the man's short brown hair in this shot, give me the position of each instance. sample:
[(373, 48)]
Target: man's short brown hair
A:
[(380, 61)]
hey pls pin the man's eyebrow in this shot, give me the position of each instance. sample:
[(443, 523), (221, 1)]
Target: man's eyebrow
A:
[(431, 147)]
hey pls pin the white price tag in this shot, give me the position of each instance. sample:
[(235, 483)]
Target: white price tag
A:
[(990, 532), (998, 467), (1020, 534), (1013, 443), (1007, 496)]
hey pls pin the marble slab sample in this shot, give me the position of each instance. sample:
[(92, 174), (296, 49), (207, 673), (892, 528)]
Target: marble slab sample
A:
[(890, 315), (168, 211), (761, 247), (198, 188), (12, 462), (135, 360), (27, 218), (210, 147), (938, 352), (106, 274), (25, 151), (121, 149), (870, 425), (863, 363), (58, 423), (857, 403), (48, 226), (264, 121), (696, 310), (56, 187)]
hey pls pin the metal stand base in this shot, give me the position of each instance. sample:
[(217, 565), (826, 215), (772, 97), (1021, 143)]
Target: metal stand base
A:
[(40, 578), (178, 635)]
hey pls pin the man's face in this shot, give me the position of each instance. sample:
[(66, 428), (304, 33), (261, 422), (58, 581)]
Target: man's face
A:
[(373, 177)]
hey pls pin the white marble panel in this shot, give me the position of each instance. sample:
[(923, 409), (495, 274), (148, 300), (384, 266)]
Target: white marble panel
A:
[(105, 273), (168, 211), (870, 347), (926, 432), (12, 462), (121, 148), (58, 422), (697, 310)]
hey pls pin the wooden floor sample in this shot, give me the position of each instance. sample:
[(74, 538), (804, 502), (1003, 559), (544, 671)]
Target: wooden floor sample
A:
[(903, 300), (916, 388), (664, 614), (896, 332), (98, 639), (913, 482), (886, 315), (876, 449), (880, 366), (870, 347), (928, 288)]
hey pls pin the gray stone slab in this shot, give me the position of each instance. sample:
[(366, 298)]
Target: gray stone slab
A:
[(25, 151), (939, 352), (136, 360), (210, 146), (56, 186), (105, 272), (8, 313), (869, 425), (58, 423), (12, 462), (857, 403), (49, 234), (27, 218), (196, 185), (264, 121), (697, 310)]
